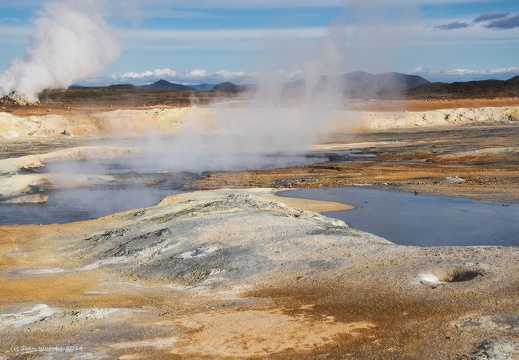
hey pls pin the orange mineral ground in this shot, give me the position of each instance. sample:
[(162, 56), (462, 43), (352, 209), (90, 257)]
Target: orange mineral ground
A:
[(232, 271)]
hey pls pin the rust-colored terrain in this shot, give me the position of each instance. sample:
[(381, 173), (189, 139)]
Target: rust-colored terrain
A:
[(236, 272), (484, 157)]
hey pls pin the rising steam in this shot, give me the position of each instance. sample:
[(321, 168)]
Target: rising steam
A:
[(274, 129), (278, 125), (71, 41)]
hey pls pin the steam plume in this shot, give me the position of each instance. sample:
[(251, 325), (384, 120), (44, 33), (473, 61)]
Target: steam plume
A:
[(282, 119), (71, 41)]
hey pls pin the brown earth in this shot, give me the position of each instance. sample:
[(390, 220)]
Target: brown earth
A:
[(244, 274), (433, 104), (72, 107), (484, 157)]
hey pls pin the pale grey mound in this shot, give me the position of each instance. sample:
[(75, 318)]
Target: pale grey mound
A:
[(230, 237), (497, 350)]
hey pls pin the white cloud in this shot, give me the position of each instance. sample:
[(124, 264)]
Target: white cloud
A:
[(196, 73), (508, 70), (230, 4), (224, 74), (9, 20), (408, 32), (189, 77), (149, 74)]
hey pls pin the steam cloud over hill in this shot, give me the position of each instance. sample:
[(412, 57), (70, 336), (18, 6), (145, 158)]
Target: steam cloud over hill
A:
[(71, 41)]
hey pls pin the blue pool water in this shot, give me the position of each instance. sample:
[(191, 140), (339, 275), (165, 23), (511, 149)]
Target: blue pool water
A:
[(82, 204), (421, 220)]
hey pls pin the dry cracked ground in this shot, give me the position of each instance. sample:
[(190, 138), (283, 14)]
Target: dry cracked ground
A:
[(232, 273)]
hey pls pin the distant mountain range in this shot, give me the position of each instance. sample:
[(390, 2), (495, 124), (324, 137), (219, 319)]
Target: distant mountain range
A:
[(474, 89), (166, 85), (203, 87), (352, 83), (361, 85)]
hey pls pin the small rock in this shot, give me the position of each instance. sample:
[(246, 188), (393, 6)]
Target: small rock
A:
[(16, 99), (29, 199), (453, 180)]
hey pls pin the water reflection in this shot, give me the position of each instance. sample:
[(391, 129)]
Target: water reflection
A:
[(82, 204), (421, 220)]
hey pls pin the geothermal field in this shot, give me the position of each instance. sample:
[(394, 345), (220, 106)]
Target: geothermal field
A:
[(307, 213), (162, 232)]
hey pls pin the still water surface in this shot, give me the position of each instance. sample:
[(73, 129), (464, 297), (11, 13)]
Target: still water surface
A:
[(421, 220), (67, 205), (82, 204), (400, 217)]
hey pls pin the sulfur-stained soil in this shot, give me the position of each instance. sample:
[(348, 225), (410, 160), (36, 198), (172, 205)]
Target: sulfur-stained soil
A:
[(111, 101), (232, 271), (485, 158), (234, 274)]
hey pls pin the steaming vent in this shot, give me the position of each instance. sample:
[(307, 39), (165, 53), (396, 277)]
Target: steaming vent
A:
[(449, 275), (17, 100), (70, 42)]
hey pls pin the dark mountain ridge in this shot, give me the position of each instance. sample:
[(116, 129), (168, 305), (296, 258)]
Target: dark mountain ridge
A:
[(361, 84), (166, 85), (354, 85), (468, 89), (203, 87)]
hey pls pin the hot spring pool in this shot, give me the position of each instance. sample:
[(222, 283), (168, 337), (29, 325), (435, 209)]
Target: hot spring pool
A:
[(67, 205), (400, 217), (82, 204), (422, 220)]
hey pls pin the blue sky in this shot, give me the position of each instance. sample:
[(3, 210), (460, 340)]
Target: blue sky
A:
[(211, 41)]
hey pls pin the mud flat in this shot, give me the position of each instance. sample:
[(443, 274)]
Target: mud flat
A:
[(236, 274)]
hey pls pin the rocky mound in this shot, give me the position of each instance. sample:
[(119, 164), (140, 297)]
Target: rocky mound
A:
[(17, 100), (163, 243)]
